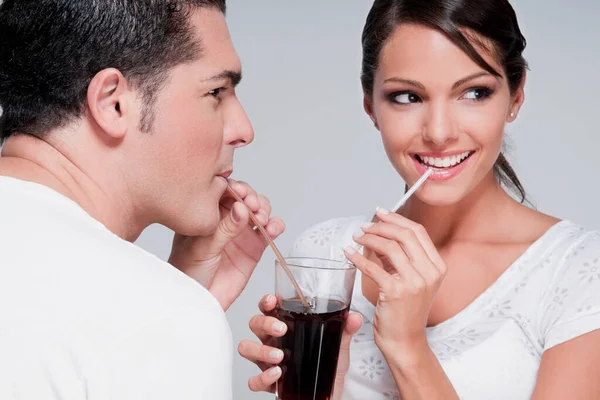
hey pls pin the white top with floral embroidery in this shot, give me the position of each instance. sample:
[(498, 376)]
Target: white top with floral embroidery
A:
[(491, 349)]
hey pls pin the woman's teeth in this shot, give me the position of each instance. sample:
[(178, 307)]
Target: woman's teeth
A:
[(444, 162)]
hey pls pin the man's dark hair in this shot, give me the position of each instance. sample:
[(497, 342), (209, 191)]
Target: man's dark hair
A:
[(51, 49)]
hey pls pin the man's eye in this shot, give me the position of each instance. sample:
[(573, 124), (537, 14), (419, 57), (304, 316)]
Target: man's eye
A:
[(215, 92)]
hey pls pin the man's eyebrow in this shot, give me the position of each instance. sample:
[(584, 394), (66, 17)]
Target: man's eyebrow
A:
[(233, 76)]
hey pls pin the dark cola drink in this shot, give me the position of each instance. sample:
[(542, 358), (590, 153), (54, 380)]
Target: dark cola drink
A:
[(311, 346)]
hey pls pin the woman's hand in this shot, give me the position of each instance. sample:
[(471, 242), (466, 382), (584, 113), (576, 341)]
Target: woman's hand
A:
[(267, 328), (408, 282)]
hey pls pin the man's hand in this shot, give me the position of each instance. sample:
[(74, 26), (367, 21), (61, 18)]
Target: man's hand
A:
[(224, 261)]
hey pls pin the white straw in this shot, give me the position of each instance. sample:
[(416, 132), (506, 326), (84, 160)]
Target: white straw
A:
[(404, 199), (412, 190)]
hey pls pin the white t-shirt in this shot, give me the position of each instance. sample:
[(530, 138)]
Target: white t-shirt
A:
[(87, 315), (493, 348)]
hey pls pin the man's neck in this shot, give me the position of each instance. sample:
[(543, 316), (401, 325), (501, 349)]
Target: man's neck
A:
[(89, 181)]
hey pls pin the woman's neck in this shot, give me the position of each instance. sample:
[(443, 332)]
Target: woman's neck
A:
[(470, 218)]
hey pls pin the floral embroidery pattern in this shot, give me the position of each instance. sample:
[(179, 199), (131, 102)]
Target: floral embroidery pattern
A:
[(584, 309), (323, 235), (521, 286), (465, 336), (500, 309), (545, 263), (558, 298), (590, 271), (371, 368), (392, 396), (523, 321), (361, 337)]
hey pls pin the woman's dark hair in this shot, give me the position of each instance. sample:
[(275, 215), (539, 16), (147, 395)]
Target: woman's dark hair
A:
[(494, 21)]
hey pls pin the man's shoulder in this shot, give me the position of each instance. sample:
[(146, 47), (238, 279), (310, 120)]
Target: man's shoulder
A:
[(136, 288), (126, 321), (66, 265)]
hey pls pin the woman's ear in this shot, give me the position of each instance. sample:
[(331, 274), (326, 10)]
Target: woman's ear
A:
[(368, 106), (517, 100)]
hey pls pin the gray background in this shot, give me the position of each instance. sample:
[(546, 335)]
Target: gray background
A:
[(317, 156)]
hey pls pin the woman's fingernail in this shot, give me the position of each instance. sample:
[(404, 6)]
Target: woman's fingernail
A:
[(367, 225), (382, 211), (358, 235), (350, 250), (269, 298), (276, 354), (275, 371), (278, 326)]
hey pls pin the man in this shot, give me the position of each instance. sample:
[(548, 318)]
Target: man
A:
[(117, 115)]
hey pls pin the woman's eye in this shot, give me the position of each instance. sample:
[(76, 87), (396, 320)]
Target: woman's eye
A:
[(406, 98), (478, 94)]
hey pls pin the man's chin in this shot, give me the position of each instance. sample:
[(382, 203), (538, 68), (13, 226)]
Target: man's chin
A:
[(201, 225)]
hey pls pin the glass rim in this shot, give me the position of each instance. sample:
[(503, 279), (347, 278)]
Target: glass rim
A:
[(288, 260)]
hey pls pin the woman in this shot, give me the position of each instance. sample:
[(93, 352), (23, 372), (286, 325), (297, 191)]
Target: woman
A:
[(465, 292)]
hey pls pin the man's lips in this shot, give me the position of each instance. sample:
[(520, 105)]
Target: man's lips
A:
[(226, 174)]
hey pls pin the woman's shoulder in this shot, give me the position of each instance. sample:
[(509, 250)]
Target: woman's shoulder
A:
[(327, 238), (576, 253), (554, 236), (567, 239), (561, 249), (570, 302)]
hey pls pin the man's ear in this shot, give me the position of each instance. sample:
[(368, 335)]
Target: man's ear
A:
[(109, 101)]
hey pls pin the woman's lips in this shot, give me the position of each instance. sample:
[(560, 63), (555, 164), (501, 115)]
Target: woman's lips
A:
[(445, 165)]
